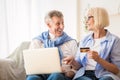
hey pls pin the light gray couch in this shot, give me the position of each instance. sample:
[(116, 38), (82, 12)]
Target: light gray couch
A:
[(12, 68)]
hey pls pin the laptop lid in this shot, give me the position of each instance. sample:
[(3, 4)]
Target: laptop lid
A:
[(41, 61)]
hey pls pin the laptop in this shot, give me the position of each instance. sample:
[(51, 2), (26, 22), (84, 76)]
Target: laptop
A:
[(41, 61)]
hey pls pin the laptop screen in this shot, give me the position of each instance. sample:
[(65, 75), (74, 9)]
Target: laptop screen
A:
[(42, 60)]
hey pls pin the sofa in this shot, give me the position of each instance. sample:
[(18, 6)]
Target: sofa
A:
[(12, 67)]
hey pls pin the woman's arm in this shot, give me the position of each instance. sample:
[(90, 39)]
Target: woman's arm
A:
[(107, 65)]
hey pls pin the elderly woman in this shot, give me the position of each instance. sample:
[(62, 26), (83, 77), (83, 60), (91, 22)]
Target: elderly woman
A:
[(101, 60)]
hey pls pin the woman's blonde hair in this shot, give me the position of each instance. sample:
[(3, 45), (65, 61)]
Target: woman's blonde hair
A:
[(101, 18)]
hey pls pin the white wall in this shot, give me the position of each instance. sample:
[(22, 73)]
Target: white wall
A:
[(115, 24)]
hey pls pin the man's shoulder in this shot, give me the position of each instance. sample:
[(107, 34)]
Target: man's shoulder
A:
[(73, 41)]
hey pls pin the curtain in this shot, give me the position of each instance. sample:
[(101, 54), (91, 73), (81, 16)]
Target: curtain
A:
[(19, 22)]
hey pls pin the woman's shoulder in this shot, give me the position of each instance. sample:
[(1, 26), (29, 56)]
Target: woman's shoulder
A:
[(113, 36)]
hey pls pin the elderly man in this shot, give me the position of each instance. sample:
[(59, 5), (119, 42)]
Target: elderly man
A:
[(55, 37)]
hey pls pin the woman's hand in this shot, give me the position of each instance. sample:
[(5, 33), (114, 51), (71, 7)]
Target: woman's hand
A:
[(93, 55)]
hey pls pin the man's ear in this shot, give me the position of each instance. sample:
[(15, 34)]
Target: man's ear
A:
[(48, 24)]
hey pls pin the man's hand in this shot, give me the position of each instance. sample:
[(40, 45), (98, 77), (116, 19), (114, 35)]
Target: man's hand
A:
[(71, 61), (70, 74), (68, 59)]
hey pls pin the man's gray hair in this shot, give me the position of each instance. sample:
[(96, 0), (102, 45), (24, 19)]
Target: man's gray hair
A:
[(51, 14)]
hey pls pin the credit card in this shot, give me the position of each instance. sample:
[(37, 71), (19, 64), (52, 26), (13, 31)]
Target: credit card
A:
[(84, 49)]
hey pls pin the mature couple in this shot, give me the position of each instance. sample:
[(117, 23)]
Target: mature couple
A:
[(101, 62)]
